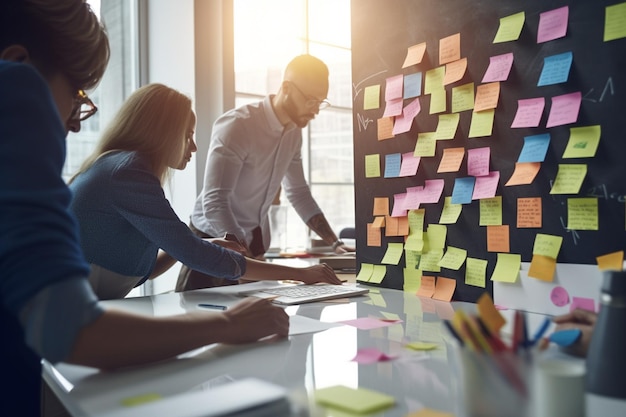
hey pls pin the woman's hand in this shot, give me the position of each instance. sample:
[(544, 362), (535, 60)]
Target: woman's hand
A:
[(577, 319), (253, 319)]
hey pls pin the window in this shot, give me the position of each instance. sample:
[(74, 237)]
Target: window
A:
[(267, 35), (120, 78)]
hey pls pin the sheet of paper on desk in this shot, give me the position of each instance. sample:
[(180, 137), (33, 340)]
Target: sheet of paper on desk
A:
[(301, 325)]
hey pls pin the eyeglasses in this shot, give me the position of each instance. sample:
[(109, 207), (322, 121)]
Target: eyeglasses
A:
[(83, 107), (312, 102)]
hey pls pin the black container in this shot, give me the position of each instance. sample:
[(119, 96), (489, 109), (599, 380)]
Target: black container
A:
[(606, 360)]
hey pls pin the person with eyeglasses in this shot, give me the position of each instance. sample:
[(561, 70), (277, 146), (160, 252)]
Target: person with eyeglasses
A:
[(255, 153), (50, 52)]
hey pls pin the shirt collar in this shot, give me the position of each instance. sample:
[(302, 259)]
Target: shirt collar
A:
[(272, 119)]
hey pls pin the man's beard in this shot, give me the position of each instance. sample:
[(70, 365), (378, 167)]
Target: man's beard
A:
[(300, 120)]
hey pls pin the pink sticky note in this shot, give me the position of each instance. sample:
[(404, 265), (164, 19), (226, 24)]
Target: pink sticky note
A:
[(564, 109), (371, 355), (368, 323), (393, 107), (432, 191), (394, 87), (410, 163), (529, 112), (399, 209), (486, 186), (559, 296), (478, 161), (403, 122), (413, 197), (583, 303), (499, 68), (552, 24)]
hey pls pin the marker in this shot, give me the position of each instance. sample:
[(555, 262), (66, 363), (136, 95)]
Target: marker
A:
[(541, 331), (212, 306)]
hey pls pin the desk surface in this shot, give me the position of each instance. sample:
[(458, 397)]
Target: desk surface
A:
[(302, 363)]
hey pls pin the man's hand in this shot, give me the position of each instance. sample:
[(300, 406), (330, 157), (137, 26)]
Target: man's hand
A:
[(578, 319), (253, 319), (319, 273)]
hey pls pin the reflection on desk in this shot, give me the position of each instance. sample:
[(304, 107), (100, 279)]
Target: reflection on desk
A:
[(302, 363)]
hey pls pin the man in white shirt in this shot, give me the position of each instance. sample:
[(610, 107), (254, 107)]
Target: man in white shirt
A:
[(254, 149)]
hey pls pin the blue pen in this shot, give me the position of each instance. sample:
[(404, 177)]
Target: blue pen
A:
[(540, 331), (212, 306)]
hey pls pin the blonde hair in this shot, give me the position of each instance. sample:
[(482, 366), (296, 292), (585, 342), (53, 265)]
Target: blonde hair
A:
[(60, 35), (152, 121)]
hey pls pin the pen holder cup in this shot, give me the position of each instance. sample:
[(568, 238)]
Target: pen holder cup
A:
[(489, 384)]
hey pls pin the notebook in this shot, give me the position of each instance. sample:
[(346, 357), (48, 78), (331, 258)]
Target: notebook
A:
[(302, 293)]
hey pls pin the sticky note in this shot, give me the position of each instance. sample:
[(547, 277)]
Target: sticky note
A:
[(547, 245), (611, 261), (564, 109), (427, 288), (535, 148), (393, 87), (569, 179), (482, 123), (488, 312), (462, 191), (510, 28), (559, 296), (381, 206), (393, 254), (475, 270), (478, 161), (371, 97), (392, 165), (438, 101), (485, 186), (409, 166), (403, 123), (542, 268), (421, 346), (433, 80), (583, 142), (463, 98), (529, 112), (552, 24), (436, 236), (524, 173), (393, 107), (487, 96), (450, 49), (529, 212), (583, 303), (398, 209), (507, 267), (414, 54), (447, 126), (360, 400), (499, 68), (412, 85), (432, 190), (141, 399), (372, 166), (455, 70), (498, 238), (365, 272), (430, 260), (555, 69), (451, 159), (426, 144), (450, 212), (378, 274), (491, 211), (615, 22), (371, 355), (412, 279), (453, 258), (582, 213), (385, 128), (374, 235), (367, 323), (444, 289)]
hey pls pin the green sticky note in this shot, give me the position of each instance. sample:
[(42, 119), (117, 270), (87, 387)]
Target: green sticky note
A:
[(482, 123), (451, 212), (583, 142), (438, 101), (372, 166), (141, 399), (412, 279), (360, 400), (433, 81), (475, 270), (582, 213), (393, 254), (378, 274), (453, 258), (507, 267), (547, 245), (447, 126), (491, 211), (426, 144), (366, 272), (510, 28), (569, 179), (615, 22), (371, 98), (463, 97)]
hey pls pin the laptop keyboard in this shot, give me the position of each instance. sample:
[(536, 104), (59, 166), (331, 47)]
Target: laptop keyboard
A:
[(301, 291)]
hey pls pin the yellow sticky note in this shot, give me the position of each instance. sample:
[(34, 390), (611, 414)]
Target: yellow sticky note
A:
[(433, 80), (393, 254), (414, 242), (542, 267), (569, 178), (475, 272), (463, 98), (450, 212), (507, 267), (412, 258), (412, 279), (140, 399), (430, 260), (378, 274), (547, 245), (481, 124), (437, 101), (436, 236), (489, 313), (371, 97), (426, 144), (582, 213), (611, 261), (510, 28), (365, 272), (583, 142), (360, 400), (491, 211), (421, 346), (615, 22), (372, 166), (453, 258), (447, 126), (416, 221)]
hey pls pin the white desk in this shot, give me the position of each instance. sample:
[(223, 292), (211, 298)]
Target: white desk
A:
[(302, 364)]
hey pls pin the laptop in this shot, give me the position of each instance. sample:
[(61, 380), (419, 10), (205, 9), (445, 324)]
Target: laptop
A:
[(286, 294)]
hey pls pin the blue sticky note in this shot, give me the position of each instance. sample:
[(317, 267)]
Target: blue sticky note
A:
[(413, 85), (555, 69), (565, 337), (535, 148), (463, 190), (393, 162)]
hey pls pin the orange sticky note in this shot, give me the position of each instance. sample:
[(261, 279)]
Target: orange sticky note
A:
[(374, 237), (391, 226), (403, 226), (450, 49), (414, 54), (427, 286), (379, 222), (542, 267), (451, 160), (444, 289), (611, 261), (487, 96), (529, 212), (455, 70), (385, 128), (525, 173), (381, 206), (428, 412), (489, 313), (498, 238)]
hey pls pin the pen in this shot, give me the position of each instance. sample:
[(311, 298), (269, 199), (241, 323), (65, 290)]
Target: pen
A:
[(453, 332), (212, 306), (540, 331)]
